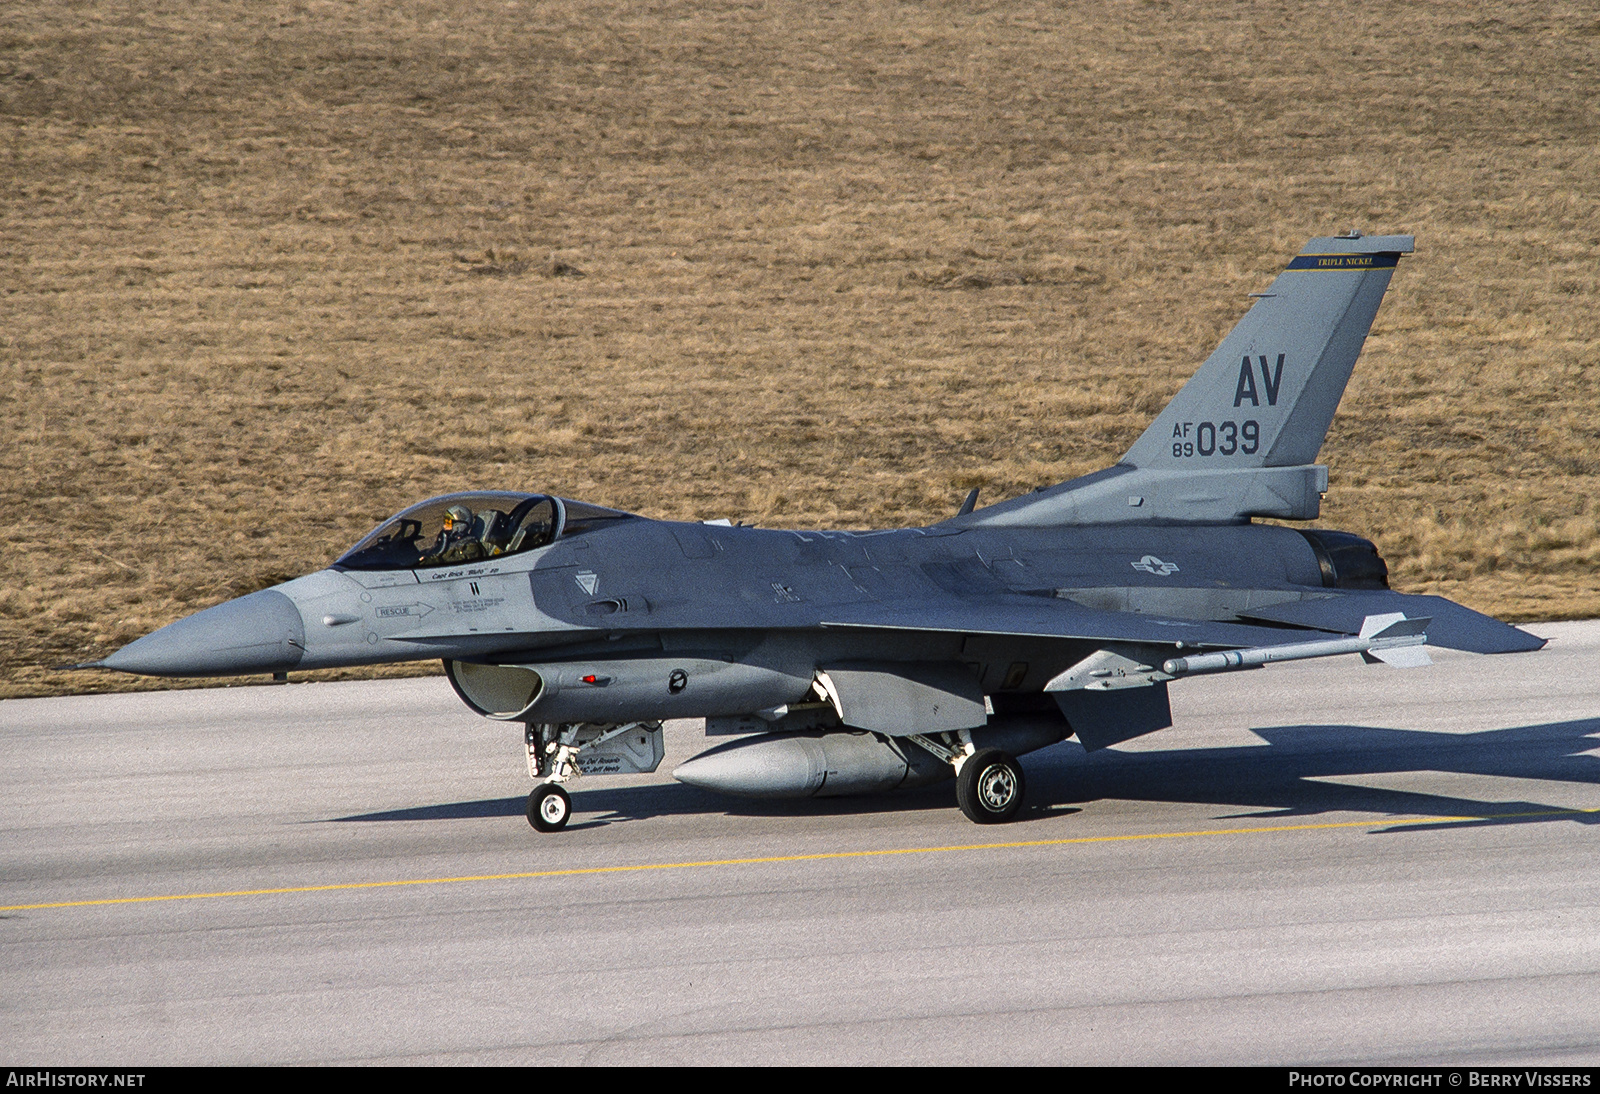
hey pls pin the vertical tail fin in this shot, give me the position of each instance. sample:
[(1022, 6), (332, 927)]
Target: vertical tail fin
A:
[(1239, 440), (1266, 397)]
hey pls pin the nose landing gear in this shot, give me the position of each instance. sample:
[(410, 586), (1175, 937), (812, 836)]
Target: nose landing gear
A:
[(557, 753), (549, 808)]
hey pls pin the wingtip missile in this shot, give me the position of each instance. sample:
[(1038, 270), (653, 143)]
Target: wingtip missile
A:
[(1391, 638)]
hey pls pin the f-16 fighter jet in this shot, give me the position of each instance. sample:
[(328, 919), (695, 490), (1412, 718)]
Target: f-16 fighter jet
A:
[(858, 662)]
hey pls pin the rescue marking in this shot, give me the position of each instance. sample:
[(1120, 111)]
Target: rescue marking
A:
[(814, 857), (396, 611)]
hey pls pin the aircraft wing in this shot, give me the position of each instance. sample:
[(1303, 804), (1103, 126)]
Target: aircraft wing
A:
[(1453, 626), (1044, 617)]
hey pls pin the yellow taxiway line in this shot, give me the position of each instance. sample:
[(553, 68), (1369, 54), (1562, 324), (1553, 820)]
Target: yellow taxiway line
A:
[(814, 857)]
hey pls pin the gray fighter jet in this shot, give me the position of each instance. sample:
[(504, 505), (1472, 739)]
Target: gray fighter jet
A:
[(858, 662)]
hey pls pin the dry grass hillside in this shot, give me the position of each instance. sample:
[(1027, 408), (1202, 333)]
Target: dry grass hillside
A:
[(274, 270)]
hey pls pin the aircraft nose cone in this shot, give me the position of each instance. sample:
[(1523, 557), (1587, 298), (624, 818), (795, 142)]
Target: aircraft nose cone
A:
[(262, 632)]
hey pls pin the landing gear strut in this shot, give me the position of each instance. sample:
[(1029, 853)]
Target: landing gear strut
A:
[(560, 752), (551, 761)]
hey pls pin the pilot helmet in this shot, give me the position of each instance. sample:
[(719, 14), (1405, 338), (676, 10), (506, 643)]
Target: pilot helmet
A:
[(457, 517)]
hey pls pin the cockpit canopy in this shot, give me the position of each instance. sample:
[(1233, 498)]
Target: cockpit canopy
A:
[(465, 528)]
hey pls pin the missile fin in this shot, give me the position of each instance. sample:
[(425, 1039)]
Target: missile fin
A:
[(1402, 657), (1393, 625)]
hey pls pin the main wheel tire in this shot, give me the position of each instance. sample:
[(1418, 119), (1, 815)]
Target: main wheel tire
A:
[(549, 808), (989, 789)]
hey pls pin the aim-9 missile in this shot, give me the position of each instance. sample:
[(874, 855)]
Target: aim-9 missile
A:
[(1392, 639)]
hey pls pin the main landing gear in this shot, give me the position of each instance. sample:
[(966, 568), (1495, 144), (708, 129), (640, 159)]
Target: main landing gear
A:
[(989, 785)]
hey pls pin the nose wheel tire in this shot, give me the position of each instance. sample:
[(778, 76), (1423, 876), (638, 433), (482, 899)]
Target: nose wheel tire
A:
[(989, 789), (549, 808)]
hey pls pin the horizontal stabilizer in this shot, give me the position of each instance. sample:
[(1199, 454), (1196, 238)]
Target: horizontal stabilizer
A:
[(1453, 626)]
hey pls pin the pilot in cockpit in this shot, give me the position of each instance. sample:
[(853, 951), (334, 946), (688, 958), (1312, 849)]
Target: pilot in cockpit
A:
[(456, 542)]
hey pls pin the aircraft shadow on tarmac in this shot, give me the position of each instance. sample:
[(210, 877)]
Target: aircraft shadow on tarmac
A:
[(1282, 778)]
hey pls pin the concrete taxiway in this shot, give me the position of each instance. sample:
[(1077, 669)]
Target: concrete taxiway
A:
[(1321, 863)]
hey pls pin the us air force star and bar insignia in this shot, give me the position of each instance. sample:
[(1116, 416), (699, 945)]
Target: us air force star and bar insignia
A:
[(1150, 564)]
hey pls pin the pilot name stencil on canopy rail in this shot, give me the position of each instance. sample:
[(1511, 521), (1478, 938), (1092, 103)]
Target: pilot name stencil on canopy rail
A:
[(861, 662)]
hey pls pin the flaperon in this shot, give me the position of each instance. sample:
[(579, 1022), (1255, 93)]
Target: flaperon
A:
[(853, 662)]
